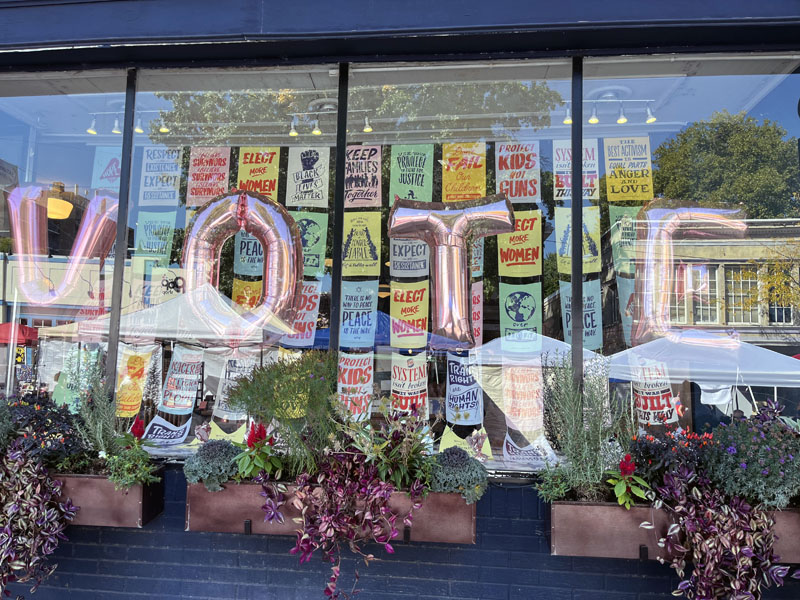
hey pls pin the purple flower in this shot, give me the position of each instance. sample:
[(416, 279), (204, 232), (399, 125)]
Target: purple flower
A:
[(765, 471), (743, 465), (731, 449)]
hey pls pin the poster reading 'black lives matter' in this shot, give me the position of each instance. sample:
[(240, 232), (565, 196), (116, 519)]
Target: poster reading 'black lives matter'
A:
[(307, 178)]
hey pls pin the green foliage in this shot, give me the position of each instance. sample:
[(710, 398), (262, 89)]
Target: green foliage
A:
[(213, 464), (627, 485), (6, 424), (98, 426), (257, 455), (131, 466), (454, 471), (553, 483)]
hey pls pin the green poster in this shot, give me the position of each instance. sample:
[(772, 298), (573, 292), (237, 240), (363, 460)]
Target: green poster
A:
[(521, 317), (622, 224), (412, 172), (154, 233), (314, 235)]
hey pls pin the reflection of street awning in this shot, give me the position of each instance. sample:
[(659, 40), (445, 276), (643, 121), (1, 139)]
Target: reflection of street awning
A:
[(542, 350), (21, 333)]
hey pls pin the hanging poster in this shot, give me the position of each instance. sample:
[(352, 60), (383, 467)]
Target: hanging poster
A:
[(476, 257), (518, 171), (519, 252), (592, 313), (626, 287), (163, 433), (258, 170), (591, 239), (410, 383), (362, 244), (463, 171), (154, 234), (476, 445), (160, 183), (523, 401), (314, 237), (629, 171), (308, 175), (409, 258), (235, 364), (246, 293), (106, 169), (208, 174), (652, 394), (477, 312), (183, 380), (305, 319), (362, 181), (359, 314), (409, 312), (532, 454), (248, 255), (132, 367), (355, 383), (412, 173), (562, 169), (520, 316), (622, 228), (464, 398)]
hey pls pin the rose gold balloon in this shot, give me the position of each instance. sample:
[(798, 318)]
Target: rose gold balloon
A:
[(446, 228), (279, 235)]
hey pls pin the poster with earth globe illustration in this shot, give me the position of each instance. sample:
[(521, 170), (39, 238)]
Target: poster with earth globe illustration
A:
[(313, 235), (521, 316)]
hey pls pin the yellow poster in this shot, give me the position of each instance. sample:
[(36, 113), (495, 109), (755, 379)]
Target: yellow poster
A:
[(590, 236), (409, 312), (246, 293), (476, 445), (362, 244), (258, 170), (131, 374), (237, 436), (463, 171), (629, 170), (519, 253)]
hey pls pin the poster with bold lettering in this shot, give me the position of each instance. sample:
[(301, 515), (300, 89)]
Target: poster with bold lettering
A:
[(410, 383), (523, 398), (183, 380), (477, 312), (629, 170), (463, 171), (133, 366), (362, 180), (235, 365), (160, 183), (163, 433), (248, 255), (476, 258), (307, 179), (208, 174), (518, 171), (464, 398), (106, 169), (314, 236), (246, 293), (521, 317), (626, 288), (305, 319), (362, 244), (623, 237), (408, 258), (154, 234), (258, 170), (592, 313), (562, 169), (355, 383), (519, 252), (412, 173), (359, 314), (590, 236), (652, 394), (409, 312)]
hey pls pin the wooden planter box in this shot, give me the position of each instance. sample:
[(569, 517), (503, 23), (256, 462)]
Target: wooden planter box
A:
[(102, 505), (443, 518)]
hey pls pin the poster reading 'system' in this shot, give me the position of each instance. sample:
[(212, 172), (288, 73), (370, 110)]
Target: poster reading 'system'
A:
[(562, 169), (410, 383), (463, 171)]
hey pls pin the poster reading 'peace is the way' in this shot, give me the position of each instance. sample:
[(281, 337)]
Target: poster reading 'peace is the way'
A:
[(463, 171), (592, 313), (359, 314)]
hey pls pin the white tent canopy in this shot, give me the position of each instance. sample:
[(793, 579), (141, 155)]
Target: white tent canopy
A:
[(542, 350)]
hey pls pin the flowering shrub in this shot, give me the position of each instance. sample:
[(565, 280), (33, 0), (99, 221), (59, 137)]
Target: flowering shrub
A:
[(47, 431), (131, 465), (626, 484), (257, 454), (657, 451), (213, 464)]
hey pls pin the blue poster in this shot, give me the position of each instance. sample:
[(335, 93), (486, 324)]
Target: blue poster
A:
[(359, 314), (248, 256)]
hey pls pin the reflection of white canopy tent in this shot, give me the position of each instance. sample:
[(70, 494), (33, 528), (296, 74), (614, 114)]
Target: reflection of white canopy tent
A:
[(542, 350)]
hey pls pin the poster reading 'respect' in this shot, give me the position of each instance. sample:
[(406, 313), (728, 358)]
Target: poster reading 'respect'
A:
[(410, 383), (562, 169), (652, 394), (160, 183), (477, 312), (307, 177), (208, 174), (359, 314), (519, 252), (183, 381), (523, 398), (520, 316), (629, 171), (314, 236), (409, 258), (622, 228), (258, 170), (362, 244), (590, 237), (412, 173), (463, 171), (464, 399), (592, 313), (409, 312), (305, 319), (518, 171), (355, 383), (362, 179)]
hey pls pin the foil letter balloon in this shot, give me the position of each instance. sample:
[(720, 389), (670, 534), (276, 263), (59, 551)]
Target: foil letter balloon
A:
[(447, 228), (282, 282)]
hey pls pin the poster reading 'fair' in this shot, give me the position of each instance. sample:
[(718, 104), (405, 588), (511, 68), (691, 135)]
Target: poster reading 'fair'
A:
[(590, 236), (562, 169), (359, 314), (409, 312), (463, 171), (518, 171), (410, 383), (519, 252), (258, 170), (362, 180), (362, 244), (464, 398), (305, 319), (208, 174), (355, 383), (629, 171), (183, 380), (592, 313), (307, 177), (520, 317), (160, 183), (412, 173)]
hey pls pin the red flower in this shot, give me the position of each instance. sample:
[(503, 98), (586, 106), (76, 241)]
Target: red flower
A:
[(137, 429), (627, 466), (256, 434)]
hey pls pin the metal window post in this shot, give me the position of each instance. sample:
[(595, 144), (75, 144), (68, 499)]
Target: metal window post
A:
[(577, 220)]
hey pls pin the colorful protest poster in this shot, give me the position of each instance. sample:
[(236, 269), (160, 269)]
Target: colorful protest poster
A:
[(463, 171), (410, 383), (161, 432), (258, 170), (477, 312), (132, 368), (160, 183), (359, 314), (362, 244), (248, 255), (629, 170), (314, 236), (208, 174), (476, 445), (355, 383), (520, 316), (183, 381), (622, 228), (562, 169), (235, 365), (652, 394), (519, 252), (464, 397), (362, 181), (408, 258), (626, 289), (305, 319), (591, 239), (409, 312), (154, 234), (307, 179), (518, 171), (107, 169), (476, 258), (523, 398), (246, 293), (412, 172), (592, 313)]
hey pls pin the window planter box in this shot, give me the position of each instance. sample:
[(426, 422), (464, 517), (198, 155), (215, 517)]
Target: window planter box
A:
[(102, 505), (443, 518)]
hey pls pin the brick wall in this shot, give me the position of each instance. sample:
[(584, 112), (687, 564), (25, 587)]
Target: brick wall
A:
[(510, 561)]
